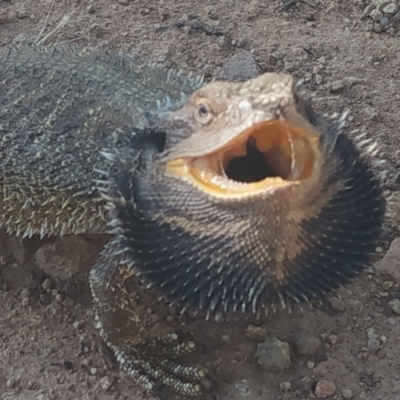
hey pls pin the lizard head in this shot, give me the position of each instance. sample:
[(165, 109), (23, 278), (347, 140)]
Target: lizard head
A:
[(244, 139), (252, 200)]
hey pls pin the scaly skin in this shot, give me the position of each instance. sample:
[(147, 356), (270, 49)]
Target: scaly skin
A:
[(59, 108)]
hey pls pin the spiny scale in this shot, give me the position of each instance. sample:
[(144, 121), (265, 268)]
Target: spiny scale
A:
[(60, 105)]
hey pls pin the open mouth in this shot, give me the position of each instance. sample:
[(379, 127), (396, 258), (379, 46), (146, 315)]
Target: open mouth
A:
[(267, 155)]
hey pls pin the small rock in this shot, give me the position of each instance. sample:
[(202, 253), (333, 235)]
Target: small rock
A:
[(219, 318), (289, 66), (285, 386), (367, 10), (225, 338), (325, 389), (93, 371), (274, 355), (243, 387), (105, 383), (47, 284), (337, 304), (378, 28), (318, 79), (337, 86), (22, 14), (389, 266), (240, 67), (11, 382), (347, 394), (390, 8), (68, 302), (256, 333), (305, 343), (387, 285), (395, 305), (375, 14), (310, 364), (384, 21), (222, 40), (373, 345)]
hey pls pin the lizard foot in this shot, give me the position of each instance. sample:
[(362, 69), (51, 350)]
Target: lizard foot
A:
[(153, 365), (125, 323)]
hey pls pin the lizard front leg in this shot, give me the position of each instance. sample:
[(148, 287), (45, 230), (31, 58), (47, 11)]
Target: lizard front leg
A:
[(125, 326)]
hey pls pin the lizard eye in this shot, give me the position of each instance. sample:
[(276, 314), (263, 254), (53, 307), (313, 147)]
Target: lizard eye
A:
[(203, 113)]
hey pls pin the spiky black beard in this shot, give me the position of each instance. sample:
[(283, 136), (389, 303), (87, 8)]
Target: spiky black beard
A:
[(341, 243)]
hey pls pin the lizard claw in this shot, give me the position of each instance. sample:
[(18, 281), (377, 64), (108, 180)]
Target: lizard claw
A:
[(153, 365)]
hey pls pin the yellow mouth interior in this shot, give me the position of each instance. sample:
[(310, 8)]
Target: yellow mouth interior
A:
[(267, 155)]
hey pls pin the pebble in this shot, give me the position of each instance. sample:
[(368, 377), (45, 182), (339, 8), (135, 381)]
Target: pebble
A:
[(285, 386), (22, 14), (289, 66), (256, 333), (219, 318), (225, 338), (305, 343), (376, 14), (243, 387), (378, 28), (47, 284), (347, 394), (318, 79), (387, 285), (310, 364), (395, 306), (324, 389), (389, 266), (337, 86), (105, 383), (11, 382), (373, 345), (240, 67), (274, 355), (337, 304), (390, 8), (68, 302)]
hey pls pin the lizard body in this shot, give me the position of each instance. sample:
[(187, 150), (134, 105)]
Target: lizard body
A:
[(59, 108), (239, 197)]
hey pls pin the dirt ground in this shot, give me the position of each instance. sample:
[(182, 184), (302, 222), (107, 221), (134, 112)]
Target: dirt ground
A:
[(346, 54)]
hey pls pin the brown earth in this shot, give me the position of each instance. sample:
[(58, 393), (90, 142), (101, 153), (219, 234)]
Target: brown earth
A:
[(48, 346)]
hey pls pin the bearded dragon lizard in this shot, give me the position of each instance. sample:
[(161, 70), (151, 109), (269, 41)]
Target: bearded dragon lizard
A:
[(228, 196)]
